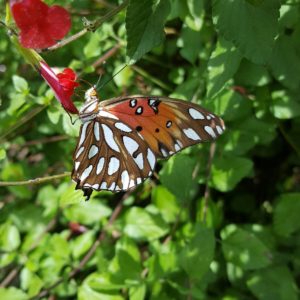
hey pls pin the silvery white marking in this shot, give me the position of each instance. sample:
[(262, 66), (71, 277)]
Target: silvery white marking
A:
[(195, 114), (103, 185), (210, 131), (139, 110), (97, 131), (151, 158), (131, 183), (130, 144), (86, 173), (79, 152), (171, 152), (122, 127), (138, 180), (90, 108), (164, 152), (113, 165), (77, 163), (177, 147), (212, 116), (191, 134), (139, 161), (152, 101), (117, 188), (208, 117), (125, 179), (86, 185), (219, 129), (133, 102), (112, 187), (150, 173), (95, 186), (93, 151), (106, 114), (83, 133), (109, 138), (100, 165), (179, 143)]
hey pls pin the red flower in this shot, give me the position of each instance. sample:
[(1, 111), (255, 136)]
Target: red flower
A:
[(63, 85), (40, 25)]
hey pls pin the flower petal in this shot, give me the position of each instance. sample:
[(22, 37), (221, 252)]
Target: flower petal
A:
[(58, 22)]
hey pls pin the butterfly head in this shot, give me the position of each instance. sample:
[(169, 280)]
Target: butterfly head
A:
[(89, 109)]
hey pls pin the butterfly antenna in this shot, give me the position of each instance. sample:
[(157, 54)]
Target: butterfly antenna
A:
[(110, 79), (85, 81)]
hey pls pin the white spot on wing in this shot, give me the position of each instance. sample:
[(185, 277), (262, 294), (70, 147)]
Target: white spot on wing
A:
[(100, 165), (219, 129), (93, 151), (151, 158), (113, 165), (179, 143), (210, 131), (83, 133), (109, 138), (125, 180), (112, 187), (86, 173), (95, 186), (131, 183), (191, 134), (77, 163), (79, 152), (195, 114), (122, 127), (106, 114), (130, 144), (97, 131), (103, 185), (177, 147), (139, 161), (164, 152), (138, 180)]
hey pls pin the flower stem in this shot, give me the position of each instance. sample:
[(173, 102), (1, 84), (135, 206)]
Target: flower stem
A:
[(94, 26)]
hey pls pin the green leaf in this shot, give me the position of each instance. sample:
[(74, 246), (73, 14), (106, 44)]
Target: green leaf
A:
[(285, 62), (222, 65), (139, 224), (251, 74), (227, 171), (145, 21), (82, 244), (88, 213), (183, 187), (12, 294), (286, 214), (166, 203), (285, 105), (20, 84), (198, 253), (244, 249), (137, 292), (251, 28), (276, 283), (126, 265), (190, 43), (196, 14), (9, 237)]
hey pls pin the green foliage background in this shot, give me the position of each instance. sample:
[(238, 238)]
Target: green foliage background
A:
[(238, 58)]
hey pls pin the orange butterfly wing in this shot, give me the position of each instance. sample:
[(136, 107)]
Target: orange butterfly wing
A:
[(168, 125)]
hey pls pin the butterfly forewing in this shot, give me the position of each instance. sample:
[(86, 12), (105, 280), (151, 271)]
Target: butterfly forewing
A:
[(121, 139)]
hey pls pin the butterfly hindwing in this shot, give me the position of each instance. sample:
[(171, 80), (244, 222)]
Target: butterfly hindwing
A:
[(111, 156)]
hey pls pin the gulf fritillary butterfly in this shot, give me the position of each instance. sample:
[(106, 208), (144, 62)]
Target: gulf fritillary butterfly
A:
[(122, 138)]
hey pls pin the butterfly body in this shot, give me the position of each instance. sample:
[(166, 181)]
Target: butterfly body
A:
[(121, 138)]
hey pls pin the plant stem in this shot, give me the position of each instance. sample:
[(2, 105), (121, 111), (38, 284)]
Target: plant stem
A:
[(34, 181), (95, 25)]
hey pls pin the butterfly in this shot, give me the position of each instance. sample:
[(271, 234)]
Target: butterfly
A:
[(121, 138)]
